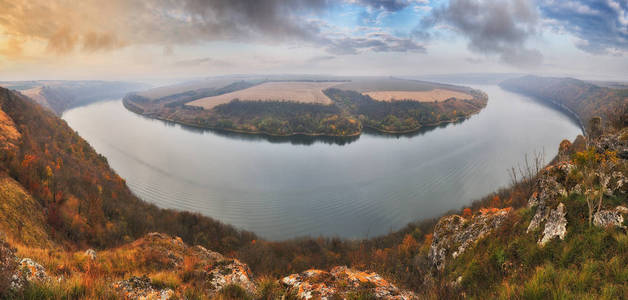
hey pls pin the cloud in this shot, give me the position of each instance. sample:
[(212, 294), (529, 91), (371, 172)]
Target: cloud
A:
[(376, 42), (388, 5), (12, 49), (321, 58), (492, 27), (92, 26), (62, 40), (201, 62), (601, 26), (95, 41)]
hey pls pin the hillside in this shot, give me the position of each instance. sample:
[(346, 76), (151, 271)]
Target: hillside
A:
[(332, 106), (63, 95), (583, 99), (558, 232)]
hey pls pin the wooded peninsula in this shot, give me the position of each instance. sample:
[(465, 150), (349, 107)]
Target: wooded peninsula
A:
[(314, 107)]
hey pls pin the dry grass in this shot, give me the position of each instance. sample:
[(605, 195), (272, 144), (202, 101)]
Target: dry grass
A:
[(304, 92), (420, 96), (22, 216)]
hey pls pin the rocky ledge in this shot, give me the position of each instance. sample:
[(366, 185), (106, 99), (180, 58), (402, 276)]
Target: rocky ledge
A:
[(454, 234), (141, 288), (342, 282)]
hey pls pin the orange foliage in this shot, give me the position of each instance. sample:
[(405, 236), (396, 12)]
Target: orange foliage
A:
[(466, 213), (28, 160), (495, 202), (408, 244), (428, 239)]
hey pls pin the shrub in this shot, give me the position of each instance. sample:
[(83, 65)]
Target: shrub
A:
[(233, 292)]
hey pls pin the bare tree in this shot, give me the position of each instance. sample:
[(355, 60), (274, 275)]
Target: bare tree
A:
[(523, 174)]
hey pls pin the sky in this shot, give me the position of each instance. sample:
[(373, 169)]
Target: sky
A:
[(136, 39)]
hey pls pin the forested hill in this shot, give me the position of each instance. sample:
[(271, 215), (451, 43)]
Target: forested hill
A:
[(584, 99), (83, 201)]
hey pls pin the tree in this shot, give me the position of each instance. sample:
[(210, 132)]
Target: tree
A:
[(596, 171)]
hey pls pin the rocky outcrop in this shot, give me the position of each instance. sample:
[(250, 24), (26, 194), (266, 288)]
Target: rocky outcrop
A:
[(340, 283), (15, 273), (542, 212), (33, 271), (231, 272), (454, 234), (549, 192), (556, 225), (614, 142), (91, 254), (211, 269), (8, 266), (141, 288), (610, 218)]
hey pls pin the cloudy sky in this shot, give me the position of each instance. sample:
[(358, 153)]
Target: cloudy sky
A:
[(136, 39)]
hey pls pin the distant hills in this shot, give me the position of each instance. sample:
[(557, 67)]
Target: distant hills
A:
[(62, 95), (584, 99)]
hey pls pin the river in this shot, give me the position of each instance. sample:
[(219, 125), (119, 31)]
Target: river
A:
[(360, 187)]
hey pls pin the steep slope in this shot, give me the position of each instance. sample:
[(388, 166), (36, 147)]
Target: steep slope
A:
[(84, 201), (23, 217), (583, 99)]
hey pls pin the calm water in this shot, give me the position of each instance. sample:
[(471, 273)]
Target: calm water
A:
[(282, 188)]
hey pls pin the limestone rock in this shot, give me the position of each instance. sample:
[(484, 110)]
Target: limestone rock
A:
[(454, 234), (606, 218), (341, 282), (9, 277), (91, 253), (556, 225), (141, 288), (229, 272), (33, 271), (541, 215)]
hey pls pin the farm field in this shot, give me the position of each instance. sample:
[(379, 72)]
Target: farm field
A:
[(159, 92), (435, 95), (302, 92), (374, 84)]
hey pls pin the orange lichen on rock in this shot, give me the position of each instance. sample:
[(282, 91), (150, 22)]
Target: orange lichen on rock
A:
[(342, 281)]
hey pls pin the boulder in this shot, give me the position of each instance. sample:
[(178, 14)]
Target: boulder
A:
[(556, 225), (342, 282), (141, 288), (609, 218), (228, 272), (32, 271), (454, 234)]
